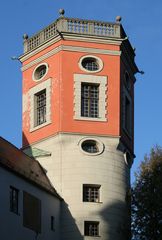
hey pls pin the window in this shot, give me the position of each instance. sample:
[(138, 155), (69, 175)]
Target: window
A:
[(89, 100), (90, 97), (40, 105), (40, 111), (40, 71), (127, 115), (31, 212), (90, 63), (91, 228), (90, 146), (52, 223), (14, 194), (91, 193)]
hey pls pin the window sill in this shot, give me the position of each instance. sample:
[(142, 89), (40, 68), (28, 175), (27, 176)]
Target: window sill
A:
[(40, 126), (90, 119), (90, 237), (93, 202)]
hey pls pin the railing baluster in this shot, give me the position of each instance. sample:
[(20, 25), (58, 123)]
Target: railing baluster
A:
[(74, 26)]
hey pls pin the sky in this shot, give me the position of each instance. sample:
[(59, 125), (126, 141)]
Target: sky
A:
[(142, 21)]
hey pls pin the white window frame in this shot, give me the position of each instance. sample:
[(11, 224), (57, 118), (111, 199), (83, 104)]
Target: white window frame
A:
[(98, 60), (46, 85), (84, 78), (35, 69)]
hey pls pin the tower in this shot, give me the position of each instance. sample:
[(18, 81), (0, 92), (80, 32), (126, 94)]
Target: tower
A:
[(78, 104)]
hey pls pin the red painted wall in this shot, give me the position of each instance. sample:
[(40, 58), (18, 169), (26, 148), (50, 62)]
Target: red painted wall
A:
[(62, 67)]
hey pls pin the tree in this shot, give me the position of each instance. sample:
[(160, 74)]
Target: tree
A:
[(147, 198)]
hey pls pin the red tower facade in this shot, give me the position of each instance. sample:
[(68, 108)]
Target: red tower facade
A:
[(78, 104)]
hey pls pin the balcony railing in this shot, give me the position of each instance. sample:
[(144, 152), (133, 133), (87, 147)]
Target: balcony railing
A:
[(70, 25)]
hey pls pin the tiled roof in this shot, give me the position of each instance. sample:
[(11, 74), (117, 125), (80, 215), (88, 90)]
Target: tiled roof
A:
[(18, 162)]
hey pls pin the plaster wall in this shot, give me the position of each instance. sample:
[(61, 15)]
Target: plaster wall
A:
[(69, 168), (12, 224)]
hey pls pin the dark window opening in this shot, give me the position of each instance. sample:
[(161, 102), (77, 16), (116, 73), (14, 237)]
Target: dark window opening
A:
[(40, 72), (52, 223), (91, 193), (14, 194), (90, 100), (90, 146), (127, 115), (90, 64), (91, 228), (40, 108)]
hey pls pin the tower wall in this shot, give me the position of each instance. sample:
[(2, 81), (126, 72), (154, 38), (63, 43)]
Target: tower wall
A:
[(85, 123), (69, 167)]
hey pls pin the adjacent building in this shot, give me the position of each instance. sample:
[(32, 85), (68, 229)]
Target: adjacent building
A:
[(30, 206)]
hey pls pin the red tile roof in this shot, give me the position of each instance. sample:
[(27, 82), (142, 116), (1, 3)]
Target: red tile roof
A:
[(16, 161)]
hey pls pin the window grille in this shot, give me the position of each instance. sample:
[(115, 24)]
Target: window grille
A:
[(91, 193), (90, 64), (40, 72), (91, 228), (90, 100), (40, 107), (90, 146)]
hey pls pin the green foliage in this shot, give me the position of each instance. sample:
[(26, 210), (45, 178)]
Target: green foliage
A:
[(147, 198)]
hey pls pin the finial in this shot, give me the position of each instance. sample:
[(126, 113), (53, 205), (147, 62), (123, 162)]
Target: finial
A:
[(118, 19), (25, 36), (61, 12)]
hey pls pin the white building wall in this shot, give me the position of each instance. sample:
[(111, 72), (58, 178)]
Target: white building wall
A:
[(69, 168), (11, 226)]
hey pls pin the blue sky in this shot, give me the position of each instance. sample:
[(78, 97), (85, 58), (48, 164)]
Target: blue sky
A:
[(142, 21)]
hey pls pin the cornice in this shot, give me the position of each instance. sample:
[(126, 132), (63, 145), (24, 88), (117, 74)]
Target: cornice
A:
[(72, 37), (117, 137), (72, 49)]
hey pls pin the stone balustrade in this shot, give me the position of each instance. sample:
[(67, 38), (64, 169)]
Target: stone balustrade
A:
[(70, 25)]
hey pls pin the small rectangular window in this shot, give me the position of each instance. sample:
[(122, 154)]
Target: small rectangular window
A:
[(91, 228), (40, 107), (91, 193), (14, 199), (52, 223), (90, 100), (127, 115)]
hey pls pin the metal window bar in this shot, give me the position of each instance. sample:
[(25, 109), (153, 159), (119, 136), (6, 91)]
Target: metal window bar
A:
[(91, 228), (90, 146), (41, 107), (90, 65), (90, 100), (90, 194)]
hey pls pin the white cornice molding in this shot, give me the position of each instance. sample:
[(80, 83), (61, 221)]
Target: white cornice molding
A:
[(72, 37), (42, 58), (73, 49)]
